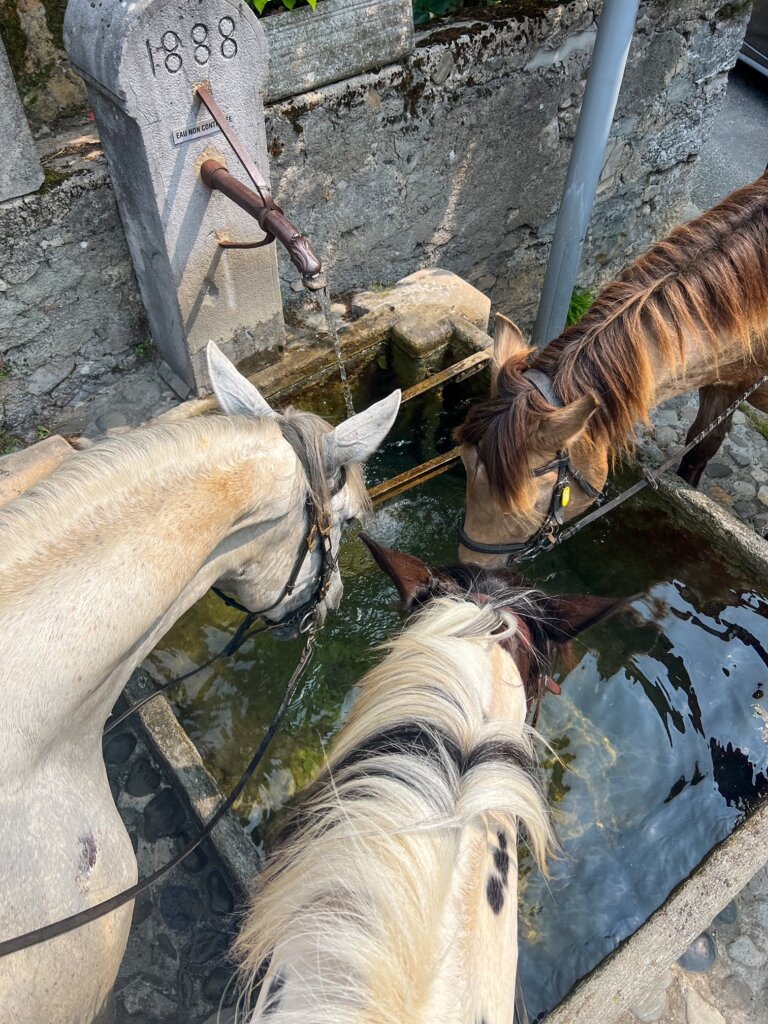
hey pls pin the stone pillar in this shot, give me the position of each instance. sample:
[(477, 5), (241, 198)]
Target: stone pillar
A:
[(141, 62), (20, 170)]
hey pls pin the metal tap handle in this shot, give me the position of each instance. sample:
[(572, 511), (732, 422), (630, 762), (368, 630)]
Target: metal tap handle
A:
[(242, 154)]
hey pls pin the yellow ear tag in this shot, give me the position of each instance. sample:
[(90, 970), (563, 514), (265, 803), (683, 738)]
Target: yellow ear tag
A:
[(566, 496)]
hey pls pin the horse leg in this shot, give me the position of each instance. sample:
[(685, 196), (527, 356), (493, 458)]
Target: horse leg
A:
[(713, 400)]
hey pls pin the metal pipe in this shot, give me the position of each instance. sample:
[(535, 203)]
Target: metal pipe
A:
[(606, 71), (270, 219)]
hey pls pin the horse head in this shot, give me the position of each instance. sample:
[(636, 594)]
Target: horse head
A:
[(298, 577), (531, 463), (546, 624)]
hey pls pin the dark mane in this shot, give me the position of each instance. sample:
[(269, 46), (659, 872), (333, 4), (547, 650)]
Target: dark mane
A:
[(707, 280), (503, 589)]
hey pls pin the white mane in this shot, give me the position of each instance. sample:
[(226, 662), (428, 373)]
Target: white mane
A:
[(352, 900)]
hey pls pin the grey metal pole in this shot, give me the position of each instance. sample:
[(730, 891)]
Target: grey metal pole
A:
[(606, 71)]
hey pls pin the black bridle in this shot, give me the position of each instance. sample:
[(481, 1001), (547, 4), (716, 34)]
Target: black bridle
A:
[(307, 618), (546, 536), (320, 527)]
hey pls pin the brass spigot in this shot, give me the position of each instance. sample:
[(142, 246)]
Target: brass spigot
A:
[(270, 219)]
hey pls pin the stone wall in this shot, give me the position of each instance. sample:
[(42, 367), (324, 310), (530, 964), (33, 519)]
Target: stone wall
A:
[(453, 157), (71, 319), (457, 157)]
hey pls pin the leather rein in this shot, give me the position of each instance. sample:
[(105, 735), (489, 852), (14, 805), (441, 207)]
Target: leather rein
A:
[(307, 619), (548, 532)]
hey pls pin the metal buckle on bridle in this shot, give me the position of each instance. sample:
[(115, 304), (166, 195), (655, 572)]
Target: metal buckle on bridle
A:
[(548, 533)]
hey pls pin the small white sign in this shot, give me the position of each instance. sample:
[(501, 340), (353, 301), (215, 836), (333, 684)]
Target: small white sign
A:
[(197, 131)]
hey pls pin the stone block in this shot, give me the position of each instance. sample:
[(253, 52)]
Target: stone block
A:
[(20, 170), (421, 333), (339, 39), (18, 472), (434, 290)]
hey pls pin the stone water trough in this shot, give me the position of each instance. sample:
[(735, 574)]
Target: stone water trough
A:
[(217, 882)]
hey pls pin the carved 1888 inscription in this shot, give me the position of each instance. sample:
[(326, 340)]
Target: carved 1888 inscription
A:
[(200, 42)]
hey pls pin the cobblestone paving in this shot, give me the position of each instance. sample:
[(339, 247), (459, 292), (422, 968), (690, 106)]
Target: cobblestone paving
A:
[(176, 969), (735, 989), (737, 476)]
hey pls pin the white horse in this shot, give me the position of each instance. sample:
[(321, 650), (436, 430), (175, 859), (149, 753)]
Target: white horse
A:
[(96, 564), (391, 897)]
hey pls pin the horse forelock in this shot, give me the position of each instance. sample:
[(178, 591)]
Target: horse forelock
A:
[(351, 906), (708, 280), (304, 431), (502, 431)]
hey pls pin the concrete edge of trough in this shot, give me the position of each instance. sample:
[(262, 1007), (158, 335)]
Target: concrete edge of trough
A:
[(743, 543), (626, 974), (170, 741)]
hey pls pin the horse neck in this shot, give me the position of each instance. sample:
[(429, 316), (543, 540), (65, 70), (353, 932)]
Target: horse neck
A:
[(395, 899), (127, 543), (690, 311)]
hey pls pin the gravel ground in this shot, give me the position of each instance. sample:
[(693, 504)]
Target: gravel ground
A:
[(176, 969), (735, 989)]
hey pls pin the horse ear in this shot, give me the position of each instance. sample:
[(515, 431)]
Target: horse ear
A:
[(564, 425), (411, 576), (570, 614), (508, 340), (234, 392), (359, 436)]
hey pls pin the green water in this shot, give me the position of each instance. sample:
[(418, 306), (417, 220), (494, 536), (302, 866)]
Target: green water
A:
[(661, 737)]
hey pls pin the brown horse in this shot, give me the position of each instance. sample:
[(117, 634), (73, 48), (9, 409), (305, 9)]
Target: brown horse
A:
[(691, 312)]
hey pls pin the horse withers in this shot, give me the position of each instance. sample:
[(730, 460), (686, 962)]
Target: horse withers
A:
[(96, 564), (692, 312), (391, 894)]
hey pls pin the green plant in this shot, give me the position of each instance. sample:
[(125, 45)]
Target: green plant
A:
[(758, 419), (425, 10), (581, 301), (144, 349), (260, 5), (9, 443), (42, 433)]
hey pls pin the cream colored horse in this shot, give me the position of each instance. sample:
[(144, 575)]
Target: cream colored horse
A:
[(96, 563), (391, 896)]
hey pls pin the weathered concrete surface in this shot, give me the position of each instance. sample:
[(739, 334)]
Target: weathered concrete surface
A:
[(141, 62), (20, 170), (457, 157), (453, 157), (18, 472), (339, 39), (70, 313)]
